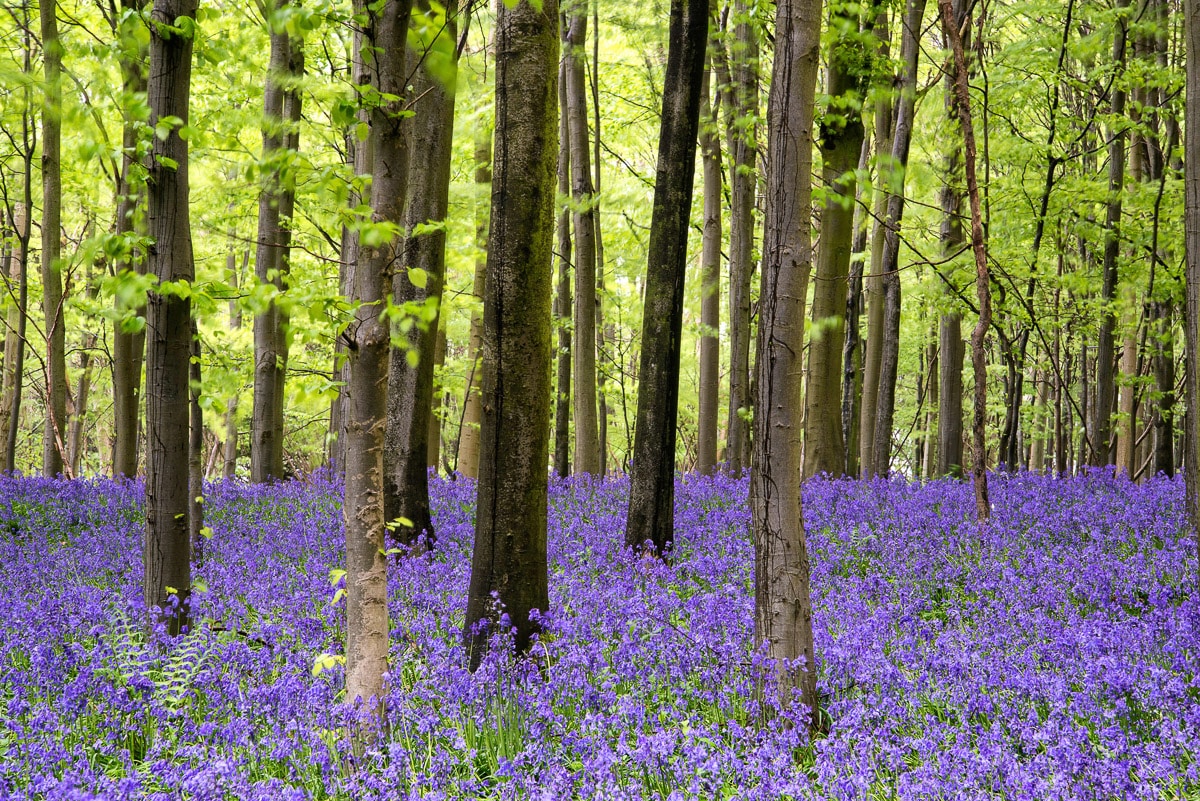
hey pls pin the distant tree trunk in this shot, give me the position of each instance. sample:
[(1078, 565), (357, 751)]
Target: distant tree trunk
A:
[(410, 387), (889, 360), (280, 134), (605, 333), (841, 139), (434, 445), (508, 566), (385, 35), (741, 115), (562, 299), (587, 435), (233, 276), (933, 392), (978, 248), (710, 283), (468, 436), (873, 285), (852, 351), (14, 340), (195, 448), (652, 483), (1102, 437), (129, 345), (1191, 218), (55, 431), (78, 407), (168, 574), (782, 599)]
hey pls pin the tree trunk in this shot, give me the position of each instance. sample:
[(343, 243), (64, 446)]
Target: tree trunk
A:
[(233, 275), (933, 392), (710, 283), (55, 431), (562, 299), (782, 599), (385, 35), (652, 484), (978, 248), (852, 351), (741, 115), (468, 435), (587, 435), (280, 137), (508, 567), (195, 449), (1191, 218), (889, 357), (605, 334), (129, 339), (841, 139), (168, 576), (419, 287), (14, 340), (433, 448)]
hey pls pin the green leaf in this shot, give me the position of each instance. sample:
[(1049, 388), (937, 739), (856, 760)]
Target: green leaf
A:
[(418, 277)]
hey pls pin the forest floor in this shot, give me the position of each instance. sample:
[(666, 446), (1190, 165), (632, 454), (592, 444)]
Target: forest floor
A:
[(1054, 655)]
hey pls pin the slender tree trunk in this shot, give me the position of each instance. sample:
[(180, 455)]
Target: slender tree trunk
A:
[(889, 357), (852, 351), (410, 386), (168, 576), (78, 406), (782, 598), (233, 276), (1191, 218), (933, 392), (129, 341), (605, 333), (562, 299), (55, 431), (710, 282), (841, 140), (652, 484), (14, 340), (281, 115), (741, 115), (979, 249), (433, 447), (1102, 441), (508, 567), (385, 35), (195, 448), (468, 437), (587, 436)]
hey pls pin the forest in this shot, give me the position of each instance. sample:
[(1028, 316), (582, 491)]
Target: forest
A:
[(567, 399)]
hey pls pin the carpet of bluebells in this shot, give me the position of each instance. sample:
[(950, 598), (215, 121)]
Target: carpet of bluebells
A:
[(1053, 655)]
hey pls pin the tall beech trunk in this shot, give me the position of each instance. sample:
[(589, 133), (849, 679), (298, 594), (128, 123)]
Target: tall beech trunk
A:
[(195, 447), (14, 340), (741, 115), (852, 351), (1191, 218), (168, 575), (562, 298), (605, 333), (840, 139), (652, 484), (508, 566), (410, 386), (233, 276), (385, 35), (467, 461), (962, 98), (933, 392), (782, 598), (433, 445), (1102, 436), (710, 282), (54, 434), (128, 345), (280, 138), (587, 435), (889, 358)]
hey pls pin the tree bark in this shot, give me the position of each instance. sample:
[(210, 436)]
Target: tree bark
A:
[(233, 276), (14, 340), (1191, 218), (195, 448), (280, 137), (782, 598), (468, 436), (508, 566), (562, 299), (54, 434), (385, 34), (710, 283), (168, 580), (410, 386), (433, 448), (652, 483)]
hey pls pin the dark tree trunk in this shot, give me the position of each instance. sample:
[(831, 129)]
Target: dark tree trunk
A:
[(652, 484), (467, 460), (562, 299), (195, 449), (129, 341), (14, 340), (385, 35), (168, 574), (410, 387), (782, 598), (281, 117), (710, 283), (889, 359), (841, 139), (55, 432), (1191, 218), (508, 566), (852, 351)]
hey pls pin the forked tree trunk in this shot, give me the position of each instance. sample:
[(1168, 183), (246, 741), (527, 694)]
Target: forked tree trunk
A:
[(652, 484), (782, 598), (418, 283), (168, 576), (508, 566), (710, 283), (385, 35)]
